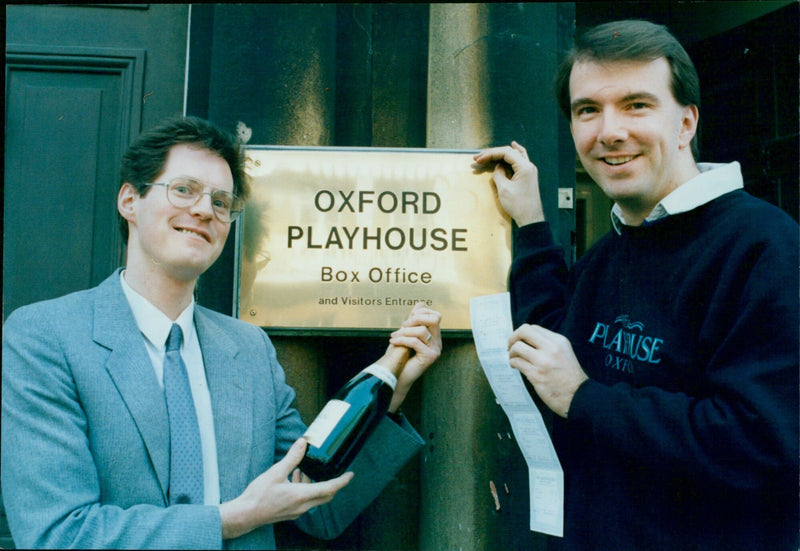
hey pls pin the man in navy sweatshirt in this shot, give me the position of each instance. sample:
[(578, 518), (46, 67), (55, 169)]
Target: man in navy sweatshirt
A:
[(669, 352)]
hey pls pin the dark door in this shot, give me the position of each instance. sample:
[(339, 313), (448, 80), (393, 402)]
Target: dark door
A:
[(81, 82)]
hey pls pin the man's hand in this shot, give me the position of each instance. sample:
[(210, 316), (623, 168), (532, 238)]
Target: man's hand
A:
[(546, 359), (272, 497), (516, 180), (420, 333)]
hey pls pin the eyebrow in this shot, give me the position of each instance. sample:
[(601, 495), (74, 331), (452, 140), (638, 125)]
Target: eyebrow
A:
[(581, 102), (214, 188), (652, 98)]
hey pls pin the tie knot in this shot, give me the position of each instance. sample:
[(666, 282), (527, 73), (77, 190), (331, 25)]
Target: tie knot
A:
[(175, 337)]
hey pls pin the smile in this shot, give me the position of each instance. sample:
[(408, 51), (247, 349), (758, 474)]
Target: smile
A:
[(614, 161), (190, 232)]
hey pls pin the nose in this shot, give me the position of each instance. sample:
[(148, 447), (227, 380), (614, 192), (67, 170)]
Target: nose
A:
[(612, 128), (202, 207)]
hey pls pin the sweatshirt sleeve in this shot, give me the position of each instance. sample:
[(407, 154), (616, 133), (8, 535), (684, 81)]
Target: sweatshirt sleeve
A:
[(538, 278)]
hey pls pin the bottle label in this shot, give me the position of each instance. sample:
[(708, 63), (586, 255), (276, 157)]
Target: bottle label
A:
[(383, 374), (326, 421)]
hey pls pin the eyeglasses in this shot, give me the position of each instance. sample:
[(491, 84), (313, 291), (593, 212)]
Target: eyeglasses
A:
[(185, 192)]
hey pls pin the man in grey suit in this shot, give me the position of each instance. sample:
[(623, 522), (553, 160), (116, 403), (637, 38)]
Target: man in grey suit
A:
[(85, 427)]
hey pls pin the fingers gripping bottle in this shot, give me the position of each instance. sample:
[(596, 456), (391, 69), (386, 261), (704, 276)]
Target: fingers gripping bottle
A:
[(344, 424)]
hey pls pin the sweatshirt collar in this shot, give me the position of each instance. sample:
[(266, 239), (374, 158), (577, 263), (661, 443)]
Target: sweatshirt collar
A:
[(714, 180)]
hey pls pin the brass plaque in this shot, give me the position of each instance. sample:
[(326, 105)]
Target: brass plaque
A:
[(346, 238)]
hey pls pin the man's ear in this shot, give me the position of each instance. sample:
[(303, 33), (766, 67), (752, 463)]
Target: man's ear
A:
[(126, 201), (691, 116)]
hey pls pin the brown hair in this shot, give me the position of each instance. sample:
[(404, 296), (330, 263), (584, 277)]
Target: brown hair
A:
[(145, 158), (632, 40)]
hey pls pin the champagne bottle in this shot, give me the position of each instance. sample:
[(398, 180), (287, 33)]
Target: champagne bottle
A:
[(341, 428)]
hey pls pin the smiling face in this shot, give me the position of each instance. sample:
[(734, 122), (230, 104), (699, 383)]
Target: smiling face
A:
[(172, 242), (632, 136)]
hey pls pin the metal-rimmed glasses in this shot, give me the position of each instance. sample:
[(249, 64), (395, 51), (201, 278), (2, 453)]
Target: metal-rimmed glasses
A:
[(185, 193)]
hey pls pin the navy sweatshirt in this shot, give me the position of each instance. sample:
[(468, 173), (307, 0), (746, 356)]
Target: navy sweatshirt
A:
[(686, 435)]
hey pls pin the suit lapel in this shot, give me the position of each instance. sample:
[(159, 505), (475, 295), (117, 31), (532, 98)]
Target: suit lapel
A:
[(229, 384), (132, 371), (228, 377)]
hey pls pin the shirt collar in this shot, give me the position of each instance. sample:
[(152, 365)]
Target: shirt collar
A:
[(714, 180), (152, 322)]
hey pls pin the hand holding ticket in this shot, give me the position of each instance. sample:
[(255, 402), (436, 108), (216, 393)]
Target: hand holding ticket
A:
[(491, 328)]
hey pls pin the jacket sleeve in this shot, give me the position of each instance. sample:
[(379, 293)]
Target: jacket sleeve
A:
[(51, 490), (387, 450)]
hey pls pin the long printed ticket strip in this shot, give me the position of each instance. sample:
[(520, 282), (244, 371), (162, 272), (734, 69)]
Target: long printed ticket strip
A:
[(490, 316)]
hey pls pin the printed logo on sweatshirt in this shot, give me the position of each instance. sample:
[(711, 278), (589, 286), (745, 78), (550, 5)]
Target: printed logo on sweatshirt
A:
[(626, 343)]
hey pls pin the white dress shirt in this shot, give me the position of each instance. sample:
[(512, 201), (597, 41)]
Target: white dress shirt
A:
[(155, 326)]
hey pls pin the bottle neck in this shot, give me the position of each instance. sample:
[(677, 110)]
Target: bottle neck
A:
[(382, 373), (395, 359), (390, 365)]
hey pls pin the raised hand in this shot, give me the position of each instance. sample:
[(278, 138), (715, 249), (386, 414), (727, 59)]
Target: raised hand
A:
[(516, 180), (421, 334)]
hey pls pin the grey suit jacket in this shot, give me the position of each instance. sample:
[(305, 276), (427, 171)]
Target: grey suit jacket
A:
[(84, 453)]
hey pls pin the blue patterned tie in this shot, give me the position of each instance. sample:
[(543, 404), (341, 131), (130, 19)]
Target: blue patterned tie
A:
[(186, 456)]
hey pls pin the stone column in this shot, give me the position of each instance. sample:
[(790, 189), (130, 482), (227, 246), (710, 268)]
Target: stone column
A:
[(459, 412), (458, 90)]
